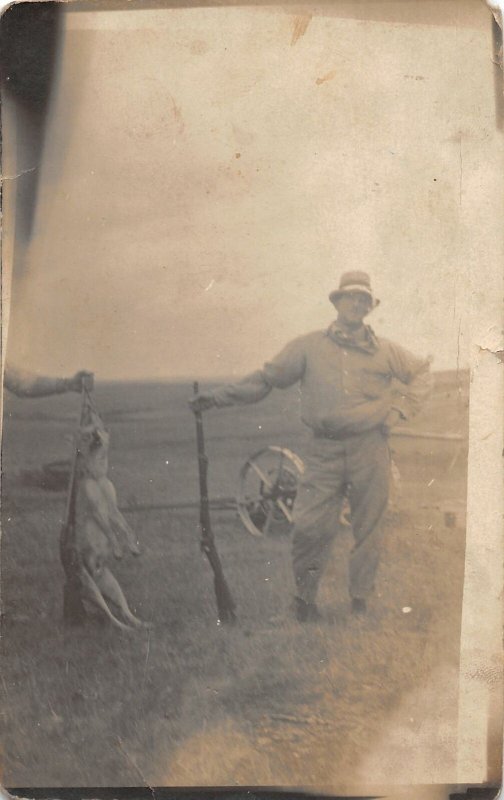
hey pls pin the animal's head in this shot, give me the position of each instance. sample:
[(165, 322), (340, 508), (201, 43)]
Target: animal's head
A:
[(92, 438)]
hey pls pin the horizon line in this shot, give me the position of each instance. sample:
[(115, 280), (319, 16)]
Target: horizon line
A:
[(220, 378)]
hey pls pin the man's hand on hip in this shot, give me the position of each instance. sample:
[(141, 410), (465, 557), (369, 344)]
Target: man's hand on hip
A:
[(202, 401), (393, 418)]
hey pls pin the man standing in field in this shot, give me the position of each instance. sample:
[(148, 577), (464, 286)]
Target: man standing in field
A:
[(349, 403)]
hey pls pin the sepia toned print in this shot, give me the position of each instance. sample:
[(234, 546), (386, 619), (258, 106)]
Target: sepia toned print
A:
[(254, 539)]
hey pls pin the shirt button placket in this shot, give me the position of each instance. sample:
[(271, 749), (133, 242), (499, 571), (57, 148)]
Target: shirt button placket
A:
[(345, 373)]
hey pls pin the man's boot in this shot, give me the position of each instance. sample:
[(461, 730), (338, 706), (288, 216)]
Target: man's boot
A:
[(306, 612), (359, 606)]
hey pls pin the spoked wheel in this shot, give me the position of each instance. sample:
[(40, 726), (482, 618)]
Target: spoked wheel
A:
[(267, 490)]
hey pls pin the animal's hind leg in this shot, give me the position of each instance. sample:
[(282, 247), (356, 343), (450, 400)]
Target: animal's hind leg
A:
[(109, 586), (99, 505), (92, 593), (116, 518)]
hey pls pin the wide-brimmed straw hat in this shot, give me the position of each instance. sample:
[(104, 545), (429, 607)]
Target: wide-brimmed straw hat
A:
[(355, 281)]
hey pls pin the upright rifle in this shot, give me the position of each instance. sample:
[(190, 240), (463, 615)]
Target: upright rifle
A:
[(225, 603), (73, 608)]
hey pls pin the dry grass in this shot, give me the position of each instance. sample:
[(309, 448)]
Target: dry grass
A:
[(268, 702)]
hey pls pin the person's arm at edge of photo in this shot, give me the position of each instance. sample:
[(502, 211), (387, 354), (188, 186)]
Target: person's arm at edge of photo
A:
[(27, 384)]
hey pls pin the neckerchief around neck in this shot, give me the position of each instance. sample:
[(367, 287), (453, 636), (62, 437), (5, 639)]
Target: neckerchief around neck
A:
[(368, 344)]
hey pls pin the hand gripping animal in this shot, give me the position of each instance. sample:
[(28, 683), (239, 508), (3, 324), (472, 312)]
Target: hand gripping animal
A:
[(94, 528)]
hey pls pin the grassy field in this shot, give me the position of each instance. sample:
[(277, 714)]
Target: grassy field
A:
[(268, 702)]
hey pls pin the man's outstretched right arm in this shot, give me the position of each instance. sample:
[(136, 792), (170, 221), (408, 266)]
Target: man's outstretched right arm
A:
[(283, 371), (250, 389)]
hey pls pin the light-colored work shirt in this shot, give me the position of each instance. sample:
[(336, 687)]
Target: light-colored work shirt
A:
[(349, 383)]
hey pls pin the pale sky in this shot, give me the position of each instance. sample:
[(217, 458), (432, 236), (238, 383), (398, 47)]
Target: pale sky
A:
[(208, 178)]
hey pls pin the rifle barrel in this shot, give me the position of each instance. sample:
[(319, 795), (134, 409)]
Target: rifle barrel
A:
[(225, 602)]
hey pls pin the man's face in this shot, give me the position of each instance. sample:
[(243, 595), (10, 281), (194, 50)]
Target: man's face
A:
[(352, 307)]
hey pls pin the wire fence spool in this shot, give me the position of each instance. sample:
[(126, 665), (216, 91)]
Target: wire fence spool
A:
[(267, 489)]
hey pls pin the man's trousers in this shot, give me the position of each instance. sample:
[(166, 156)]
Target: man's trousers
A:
[(360, 466)]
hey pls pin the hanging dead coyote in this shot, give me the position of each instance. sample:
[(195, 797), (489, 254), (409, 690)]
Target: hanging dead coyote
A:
[(94, 528)]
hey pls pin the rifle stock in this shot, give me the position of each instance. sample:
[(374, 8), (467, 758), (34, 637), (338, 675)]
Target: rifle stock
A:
[(225, 602)]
